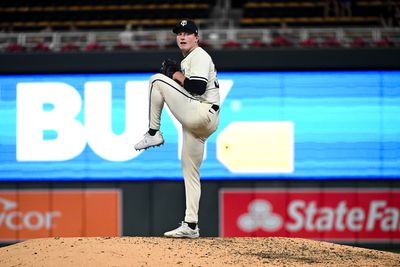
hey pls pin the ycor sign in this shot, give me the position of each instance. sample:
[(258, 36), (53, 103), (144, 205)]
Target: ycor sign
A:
[(345, 214), (43, 213)]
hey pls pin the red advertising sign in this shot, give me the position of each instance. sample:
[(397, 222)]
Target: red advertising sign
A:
[(28, 214), (342, 215)]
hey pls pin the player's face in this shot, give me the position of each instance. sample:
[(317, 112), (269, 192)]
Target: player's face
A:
[(186, 42)]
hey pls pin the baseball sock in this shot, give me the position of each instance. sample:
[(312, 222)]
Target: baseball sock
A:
[(152, 132), (192, 225)]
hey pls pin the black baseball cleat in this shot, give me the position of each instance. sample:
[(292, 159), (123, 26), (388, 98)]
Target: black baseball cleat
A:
[(150, 141)]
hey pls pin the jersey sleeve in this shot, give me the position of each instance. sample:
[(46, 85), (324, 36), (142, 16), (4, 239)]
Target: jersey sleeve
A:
[(200, 65)]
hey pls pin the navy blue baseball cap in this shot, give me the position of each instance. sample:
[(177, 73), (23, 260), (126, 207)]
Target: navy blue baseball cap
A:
[(186, 26)]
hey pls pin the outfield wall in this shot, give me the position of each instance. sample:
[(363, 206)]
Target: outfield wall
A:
[(225, 60), (357, 202)]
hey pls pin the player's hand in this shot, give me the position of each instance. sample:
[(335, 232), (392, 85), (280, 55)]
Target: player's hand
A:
[(169, 67)]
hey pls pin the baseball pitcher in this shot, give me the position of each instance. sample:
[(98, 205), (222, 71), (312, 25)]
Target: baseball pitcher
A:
[(191, 91)]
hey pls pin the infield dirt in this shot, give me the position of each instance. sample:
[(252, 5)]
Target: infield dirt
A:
[(157, 251)]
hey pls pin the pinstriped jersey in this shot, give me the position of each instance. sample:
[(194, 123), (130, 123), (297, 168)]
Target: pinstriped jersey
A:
[(198, 65)]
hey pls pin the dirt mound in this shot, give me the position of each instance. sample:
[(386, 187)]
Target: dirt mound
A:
[(157, 251)]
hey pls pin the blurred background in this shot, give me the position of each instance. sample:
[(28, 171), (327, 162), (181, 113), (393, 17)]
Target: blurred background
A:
[(131, 25), (309, 140)]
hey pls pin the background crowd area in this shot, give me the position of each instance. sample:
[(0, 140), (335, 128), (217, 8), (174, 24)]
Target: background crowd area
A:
[(105, 25)]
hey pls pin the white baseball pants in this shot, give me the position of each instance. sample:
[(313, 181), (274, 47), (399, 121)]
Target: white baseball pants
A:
[(198, 121)]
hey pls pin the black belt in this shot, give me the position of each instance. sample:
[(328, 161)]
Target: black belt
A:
[(215, 107)]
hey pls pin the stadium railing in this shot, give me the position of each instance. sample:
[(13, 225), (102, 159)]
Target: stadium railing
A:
[(210, 38)]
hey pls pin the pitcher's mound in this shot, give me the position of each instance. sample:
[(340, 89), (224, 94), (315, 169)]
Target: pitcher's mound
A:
[(157, 251)]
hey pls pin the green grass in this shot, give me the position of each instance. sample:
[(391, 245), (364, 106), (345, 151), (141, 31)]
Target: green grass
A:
[(391, 250)]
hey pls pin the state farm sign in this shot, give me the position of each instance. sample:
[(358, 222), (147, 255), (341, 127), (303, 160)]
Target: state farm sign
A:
[(345, 214)]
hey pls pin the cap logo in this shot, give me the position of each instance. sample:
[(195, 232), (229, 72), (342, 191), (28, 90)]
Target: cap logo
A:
[(183, 22)]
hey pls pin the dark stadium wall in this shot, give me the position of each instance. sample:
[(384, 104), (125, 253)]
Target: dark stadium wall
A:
[(225, 60), (150, 208)]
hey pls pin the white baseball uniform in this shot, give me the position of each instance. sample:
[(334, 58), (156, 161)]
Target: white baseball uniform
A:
[(196, 113)]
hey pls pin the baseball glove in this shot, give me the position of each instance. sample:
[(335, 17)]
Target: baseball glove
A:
[(169, 67)]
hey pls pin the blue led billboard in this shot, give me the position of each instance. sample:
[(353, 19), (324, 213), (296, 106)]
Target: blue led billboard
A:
[(285, 125)]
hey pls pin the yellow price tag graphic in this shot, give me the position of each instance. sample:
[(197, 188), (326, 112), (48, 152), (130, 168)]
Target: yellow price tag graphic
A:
[(257, 147)]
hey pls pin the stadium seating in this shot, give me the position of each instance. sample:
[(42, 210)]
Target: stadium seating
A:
[(35, 15), (257, 43), (98, 14), (98, 25), (331, 42), (41, 47), (310, 42), (14, 47), (359, 42), (232, 44), (264, 13), (281, 41), (384, 42), (69, 47)]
